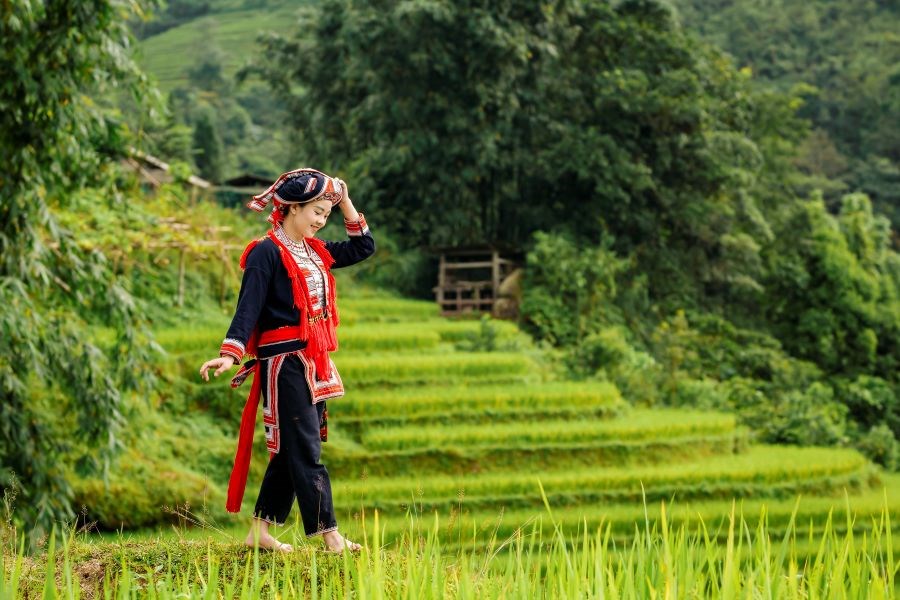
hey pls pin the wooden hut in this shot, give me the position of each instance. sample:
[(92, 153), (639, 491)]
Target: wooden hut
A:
[(470, 277)]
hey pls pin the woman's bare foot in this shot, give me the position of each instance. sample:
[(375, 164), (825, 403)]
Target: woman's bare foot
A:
[(259, 537), (267, 542), (335, 542)]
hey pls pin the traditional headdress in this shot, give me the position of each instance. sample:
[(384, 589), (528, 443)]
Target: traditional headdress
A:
[(298, 187)]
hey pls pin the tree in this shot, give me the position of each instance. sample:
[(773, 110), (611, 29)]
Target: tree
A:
[(208, 147), (424, 116), (847, 54), (477, 122), (833, 288), (55, 137)]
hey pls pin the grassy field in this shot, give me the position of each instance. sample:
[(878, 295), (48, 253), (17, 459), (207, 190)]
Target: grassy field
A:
[(662, 558)]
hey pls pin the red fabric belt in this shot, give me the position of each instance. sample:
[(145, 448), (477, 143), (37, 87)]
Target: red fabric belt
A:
[(282, 334)]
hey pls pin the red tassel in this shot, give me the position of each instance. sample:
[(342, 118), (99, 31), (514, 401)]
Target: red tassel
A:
[(320, 336), (320, 249), (238, 481)]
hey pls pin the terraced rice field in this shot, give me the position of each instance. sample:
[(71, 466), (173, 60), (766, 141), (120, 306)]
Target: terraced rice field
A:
[(489, 439)]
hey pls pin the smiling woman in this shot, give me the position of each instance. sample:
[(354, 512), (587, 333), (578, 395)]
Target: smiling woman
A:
[(286, 317)]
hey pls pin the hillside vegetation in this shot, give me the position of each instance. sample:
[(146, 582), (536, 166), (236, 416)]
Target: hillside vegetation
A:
[(844, 58)]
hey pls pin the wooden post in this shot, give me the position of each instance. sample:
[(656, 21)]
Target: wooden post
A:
[(180, 300), (495, 277), (442, 280)]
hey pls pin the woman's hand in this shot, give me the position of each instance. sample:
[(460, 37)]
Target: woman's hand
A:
[(221, 364), (346, 205)]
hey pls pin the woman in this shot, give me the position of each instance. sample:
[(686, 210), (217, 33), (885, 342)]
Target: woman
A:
[(286, 316)]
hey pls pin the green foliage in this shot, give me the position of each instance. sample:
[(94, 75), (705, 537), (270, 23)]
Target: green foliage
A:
[(56, 137), (707, 362), (728, 553), (208, 147), (513, 119), (231, 131), (834, 298), (416, 124), (409, 272), (847, 56), (482, 340), (568, 291)]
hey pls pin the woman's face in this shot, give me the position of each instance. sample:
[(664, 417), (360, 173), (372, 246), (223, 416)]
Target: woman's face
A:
[(311, 217)]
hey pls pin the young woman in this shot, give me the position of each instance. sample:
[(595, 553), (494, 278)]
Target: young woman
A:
[(286, 317)]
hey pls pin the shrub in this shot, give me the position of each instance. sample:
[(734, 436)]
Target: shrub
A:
[(880, 446), (568, 291)]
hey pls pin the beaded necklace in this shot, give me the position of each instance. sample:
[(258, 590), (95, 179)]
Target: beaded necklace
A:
[(308, 261)]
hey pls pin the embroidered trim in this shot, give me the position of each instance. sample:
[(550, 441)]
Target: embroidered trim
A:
[(268, 520), (332, 387), (233, 348), (333, 192), (270, 404), (356, 228)]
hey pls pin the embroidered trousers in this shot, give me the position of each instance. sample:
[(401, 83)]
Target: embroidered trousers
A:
[(296, 471)]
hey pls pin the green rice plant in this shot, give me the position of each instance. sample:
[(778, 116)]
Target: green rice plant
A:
[(194, 338), (144, 491), (762, 471), (540, 558), (166, 463), (464, 459), (378, 369), (622, 518), (387, 336), (163, 54), (388, 309), (460, 330), (366, 337), (478, 402), (641, 425)]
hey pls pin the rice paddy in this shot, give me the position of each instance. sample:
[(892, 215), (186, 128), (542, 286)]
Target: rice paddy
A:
[(490, 475)]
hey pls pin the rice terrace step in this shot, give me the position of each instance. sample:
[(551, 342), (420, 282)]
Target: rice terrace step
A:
[(640, 426), (478, 403), (764, 471)]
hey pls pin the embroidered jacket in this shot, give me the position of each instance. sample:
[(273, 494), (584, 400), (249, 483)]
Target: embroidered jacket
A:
[(266, 300)]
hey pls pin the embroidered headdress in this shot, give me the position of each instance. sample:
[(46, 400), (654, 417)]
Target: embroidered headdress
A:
[(298, 187)]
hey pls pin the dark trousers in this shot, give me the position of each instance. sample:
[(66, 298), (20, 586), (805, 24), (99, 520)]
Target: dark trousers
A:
[(295, 471)]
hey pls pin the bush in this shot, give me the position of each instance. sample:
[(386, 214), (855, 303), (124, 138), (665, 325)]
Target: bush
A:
[(880, 446), (144, 491), (568, 291), (809, 416)]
